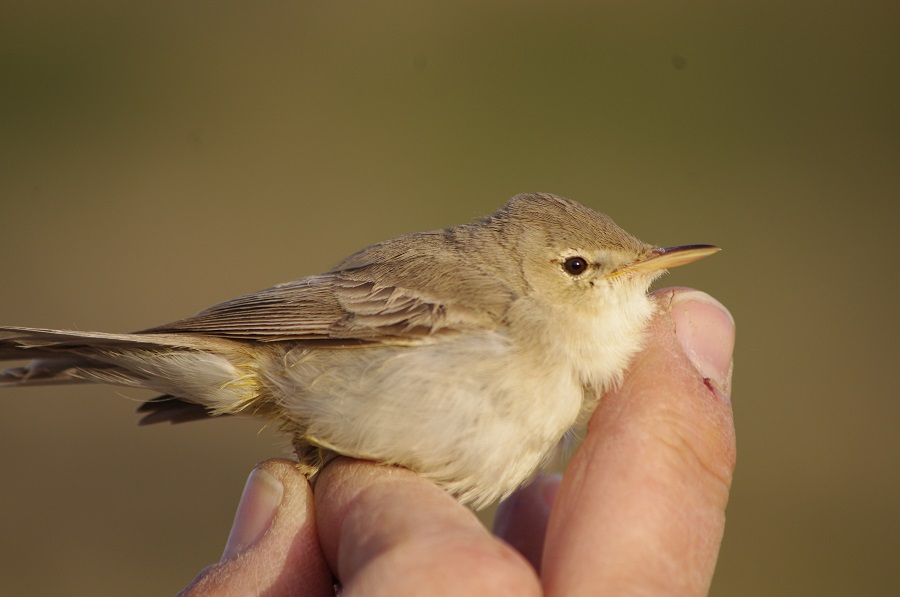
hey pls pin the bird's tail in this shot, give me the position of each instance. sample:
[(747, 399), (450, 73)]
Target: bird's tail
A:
[(198, 374)]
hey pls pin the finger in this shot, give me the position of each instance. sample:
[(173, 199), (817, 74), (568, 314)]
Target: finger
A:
[(641, 508), (521, 519), (388, 531), (273, 547)]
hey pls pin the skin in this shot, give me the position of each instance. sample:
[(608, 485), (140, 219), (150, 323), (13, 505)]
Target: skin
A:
[(640, 509)]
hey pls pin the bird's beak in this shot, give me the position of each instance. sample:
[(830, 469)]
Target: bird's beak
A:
[(665, 258)]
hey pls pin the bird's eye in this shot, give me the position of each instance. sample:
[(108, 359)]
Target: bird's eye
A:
[(575, 265)]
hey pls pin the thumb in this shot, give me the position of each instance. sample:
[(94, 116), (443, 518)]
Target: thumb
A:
[(273, 547)]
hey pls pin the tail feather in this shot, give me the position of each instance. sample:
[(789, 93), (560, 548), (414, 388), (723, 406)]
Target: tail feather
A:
[(14, 341), (49, 371), (198, 371), (169, 409), (66, 357)]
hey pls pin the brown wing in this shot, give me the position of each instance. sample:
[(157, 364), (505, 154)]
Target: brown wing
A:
[(303, 309), (401, 290), (333, 307)]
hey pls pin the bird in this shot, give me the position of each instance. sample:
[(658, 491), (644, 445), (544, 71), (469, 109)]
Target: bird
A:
[(466, 354)]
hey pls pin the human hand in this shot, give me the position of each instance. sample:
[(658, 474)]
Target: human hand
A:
[(641, 508)]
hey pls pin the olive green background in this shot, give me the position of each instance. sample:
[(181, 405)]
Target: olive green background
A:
[(161, 157)]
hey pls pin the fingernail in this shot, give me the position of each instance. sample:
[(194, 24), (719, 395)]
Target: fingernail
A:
[(259, 503), (705, 330)]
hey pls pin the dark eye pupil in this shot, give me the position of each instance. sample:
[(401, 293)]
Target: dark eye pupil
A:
[(575, 265)]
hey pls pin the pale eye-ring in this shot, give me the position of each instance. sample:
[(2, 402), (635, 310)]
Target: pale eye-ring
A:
[(575, 266)]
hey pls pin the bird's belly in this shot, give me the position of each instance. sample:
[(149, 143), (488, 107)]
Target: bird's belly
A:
[(472, 413)]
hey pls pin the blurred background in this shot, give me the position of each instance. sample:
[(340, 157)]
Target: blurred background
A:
[(156, 158)]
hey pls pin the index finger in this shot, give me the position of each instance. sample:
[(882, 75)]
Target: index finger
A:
[(387, 531)]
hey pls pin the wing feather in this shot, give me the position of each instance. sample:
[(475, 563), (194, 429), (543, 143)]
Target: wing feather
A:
[(333, 308), (399, 291)]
